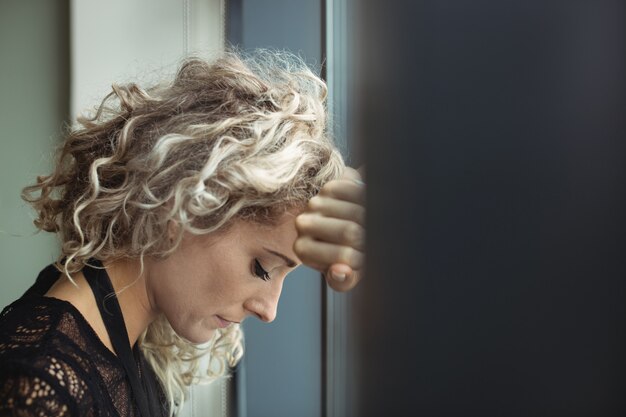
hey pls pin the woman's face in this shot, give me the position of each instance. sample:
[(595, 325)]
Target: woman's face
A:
[(212, 280)]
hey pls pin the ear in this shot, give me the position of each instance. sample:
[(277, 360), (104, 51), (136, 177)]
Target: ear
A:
[(173, 228)]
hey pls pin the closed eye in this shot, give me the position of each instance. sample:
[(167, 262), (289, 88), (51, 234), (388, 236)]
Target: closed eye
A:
[(260, 272)]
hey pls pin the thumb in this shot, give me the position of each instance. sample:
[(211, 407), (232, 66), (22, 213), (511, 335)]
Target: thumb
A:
[(340, 277)]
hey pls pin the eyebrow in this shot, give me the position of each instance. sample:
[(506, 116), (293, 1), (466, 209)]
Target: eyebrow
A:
[(290, 262)]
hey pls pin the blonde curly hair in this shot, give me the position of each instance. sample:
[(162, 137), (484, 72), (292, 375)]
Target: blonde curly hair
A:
[(242, 137)]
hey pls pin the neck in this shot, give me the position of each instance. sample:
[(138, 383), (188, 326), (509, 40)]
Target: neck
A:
[(133, 298), (132, 295)]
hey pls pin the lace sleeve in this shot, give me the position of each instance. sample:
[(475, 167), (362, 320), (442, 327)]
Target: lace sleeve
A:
[(28, 394)]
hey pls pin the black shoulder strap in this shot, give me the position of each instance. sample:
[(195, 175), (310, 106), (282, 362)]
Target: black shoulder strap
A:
[(113, 319)]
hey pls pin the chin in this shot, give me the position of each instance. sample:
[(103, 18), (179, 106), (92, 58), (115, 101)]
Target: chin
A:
[(197, 338), (203, 339)]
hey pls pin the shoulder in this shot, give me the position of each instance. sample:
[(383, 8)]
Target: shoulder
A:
[(42, 330), (42, 370), (29, 322)]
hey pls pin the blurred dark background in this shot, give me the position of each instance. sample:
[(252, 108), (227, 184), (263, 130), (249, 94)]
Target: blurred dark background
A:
[(495, 143)]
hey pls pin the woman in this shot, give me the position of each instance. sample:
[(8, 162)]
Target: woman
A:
[(180, 209)]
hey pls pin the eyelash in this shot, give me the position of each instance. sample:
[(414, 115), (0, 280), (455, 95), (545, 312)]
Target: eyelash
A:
[(260, 272)]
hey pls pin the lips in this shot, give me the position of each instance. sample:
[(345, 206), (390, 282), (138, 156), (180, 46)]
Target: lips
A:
[(222, 322)]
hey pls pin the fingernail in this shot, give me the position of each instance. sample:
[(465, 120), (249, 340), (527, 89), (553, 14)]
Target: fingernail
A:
[(338, 277), (358, 181)]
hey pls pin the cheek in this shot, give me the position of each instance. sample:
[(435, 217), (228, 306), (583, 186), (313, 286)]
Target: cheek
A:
[(194, 318), (188, 307), (190, 290)]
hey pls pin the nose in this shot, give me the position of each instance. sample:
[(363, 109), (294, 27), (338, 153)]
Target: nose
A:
[(264, 304)]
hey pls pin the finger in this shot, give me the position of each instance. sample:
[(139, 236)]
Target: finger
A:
[(318, 267), (361, 171), (321, 267), (344, 189), (331, 230), (352, 174), (314, 252), (342, 278), (331, 207)]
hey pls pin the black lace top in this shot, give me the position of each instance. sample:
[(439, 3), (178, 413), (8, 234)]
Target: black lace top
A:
[(53, 364)]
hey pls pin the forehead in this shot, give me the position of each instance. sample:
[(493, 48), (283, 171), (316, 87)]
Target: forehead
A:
[(283, 230), (278, 236)]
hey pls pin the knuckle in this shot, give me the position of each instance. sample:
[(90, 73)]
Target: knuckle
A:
[(315, 203), (302, 222), (358, 213), (359, 260), (346, 255), (350, 173), (329, 188), (352, 234), (299, 247)]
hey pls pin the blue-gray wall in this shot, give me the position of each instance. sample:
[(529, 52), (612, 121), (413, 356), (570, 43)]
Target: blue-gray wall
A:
[(34, 84), (283, 360), (294, 25)]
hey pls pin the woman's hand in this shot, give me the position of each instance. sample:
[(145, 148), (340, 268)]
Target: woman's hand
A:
[(331, 231)]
